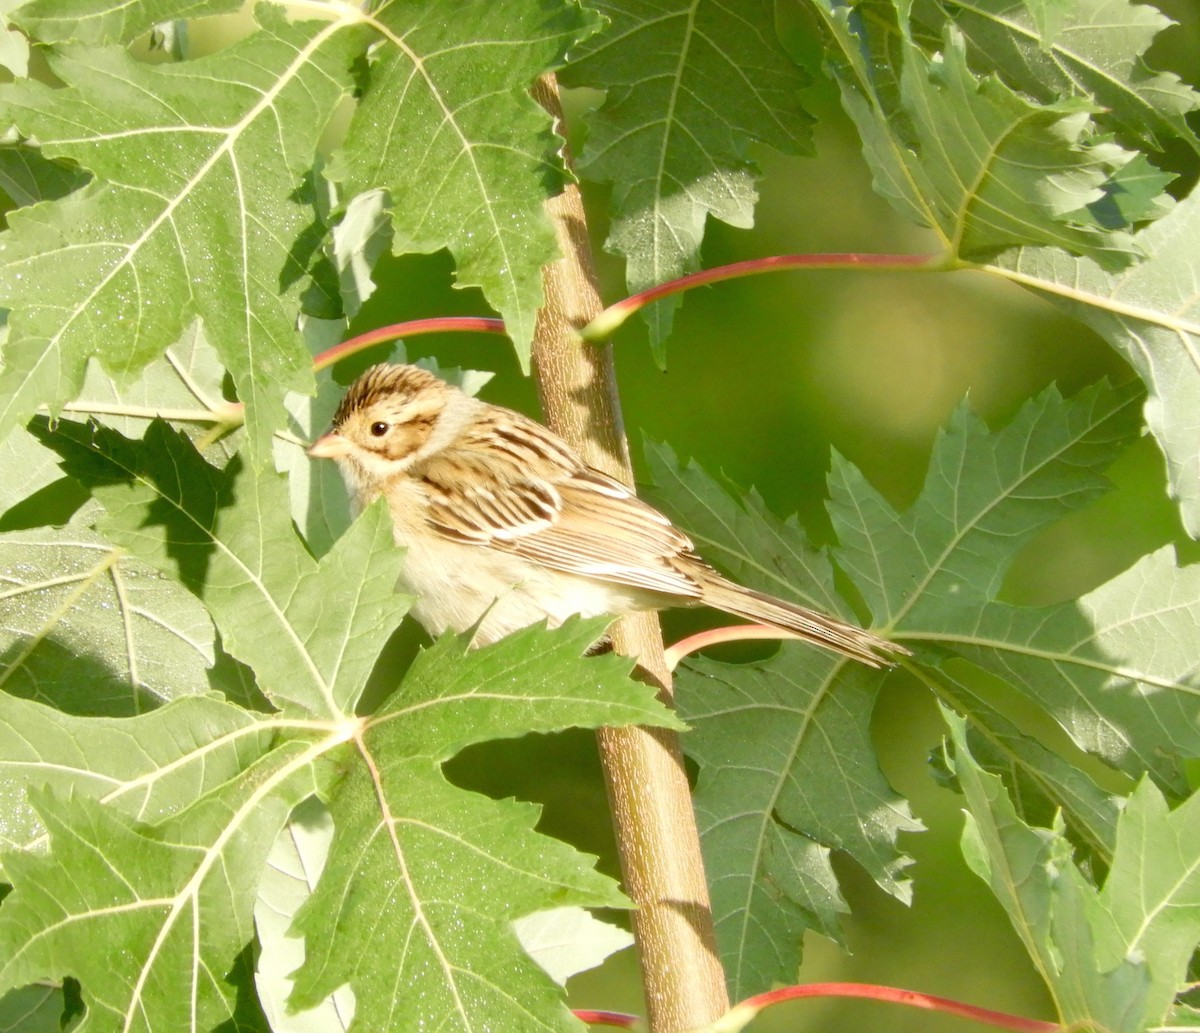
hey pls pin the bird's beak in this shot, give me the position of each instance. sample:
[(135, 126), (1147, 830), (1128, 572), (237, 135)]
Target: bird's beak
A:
[(331, 446)]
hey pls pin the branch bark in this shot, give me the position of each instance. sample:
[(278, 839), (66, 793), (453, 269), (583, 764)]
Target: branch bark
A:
[(647, 784)]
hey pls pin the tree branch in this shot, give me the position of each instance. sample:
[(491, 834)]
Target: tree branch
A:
[(647, 785)]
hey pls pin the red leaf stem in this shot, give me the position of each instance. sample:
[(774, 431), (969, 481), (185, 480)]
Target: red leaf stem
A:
[(891, 994), (715, 636), (603, 326), (413, 328), (606, 1018)]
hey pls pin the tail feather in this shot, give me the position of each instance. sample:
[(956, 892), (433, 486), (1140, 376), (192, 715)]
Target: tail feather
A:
[(810, 625)]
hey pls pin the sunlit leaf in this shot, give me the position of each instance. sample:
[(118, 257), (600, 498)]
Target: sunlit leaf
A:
[(448, 128), (1151, 315), (568, 940), (293, 868), (102, 21), (148, 920), (197, 208), (1112, 959), (146, 767), (431, 876)]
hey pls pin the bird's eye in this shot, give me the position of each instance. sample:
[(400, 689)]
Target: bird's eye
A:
[(379, 428)]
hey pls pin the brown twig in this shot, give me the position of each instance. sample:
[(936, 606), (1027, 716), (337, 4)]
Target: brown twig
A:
[(647, 784)]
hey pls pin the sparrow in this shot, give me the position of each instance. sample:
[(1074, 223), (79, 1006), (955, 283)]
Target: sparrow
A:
[(504, 525)]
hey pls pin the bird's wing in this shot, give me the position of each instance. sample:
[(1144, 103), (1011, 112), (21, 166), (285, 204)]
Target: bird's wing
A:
[(532, 498)]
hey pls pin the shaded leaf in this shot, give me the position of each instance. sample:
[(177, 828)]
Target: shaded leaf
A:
[(33, 1009), (983, 166), (1113, 959), (28, 178), (1095, 50), (690, 87), (92, 630), (310, 630), (736, 531), (787, 774), (184, 386), (1041, 781), (1102, 667), (787, 769)]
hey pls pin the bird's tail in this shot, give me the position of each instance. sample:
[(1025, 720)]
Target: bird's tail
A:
[(810, 625)]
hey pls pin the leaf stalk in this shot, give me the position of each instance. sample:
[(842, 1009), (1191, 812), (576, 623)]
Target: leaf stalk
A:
[(741, 1014), (607, 322)]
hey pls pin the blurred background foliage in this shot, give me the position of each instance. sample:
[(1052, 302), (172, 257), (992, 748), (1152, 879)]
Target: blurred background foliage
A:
[(763, 377)]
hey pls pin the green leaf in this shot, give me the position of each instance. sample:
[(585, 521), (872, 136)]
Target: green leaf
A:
[(92, 630), (1152, 893), (146, 767), (431, 876), (293, 867), (1094, 51), (787, 774), (985, 494), (739, 534), (787, 769), (184, 386), (33, 1009), (1116, 669), (14, 47), (150, 920), (196, 210), (1041, 781), (101, 21), (567, 940), (134, 846), (310, 630), (28, 178), (690, 87), (1115, 959), (983, 166), (446, 125), (28, 467), (1151, 315), (320, 505)]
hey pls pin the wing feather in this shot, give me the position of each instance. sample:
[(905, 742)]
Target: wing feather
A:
[(531, 497)]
